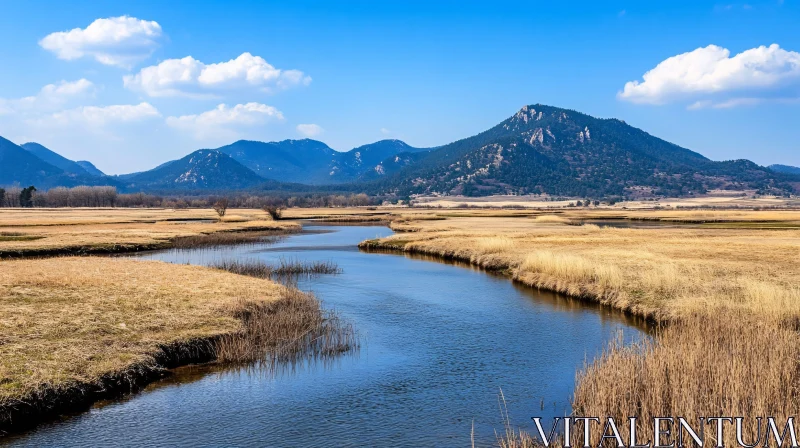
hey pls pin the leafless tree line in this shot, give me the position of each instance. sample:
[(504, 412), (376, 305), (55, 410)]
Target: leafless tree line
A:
[(84, 196)]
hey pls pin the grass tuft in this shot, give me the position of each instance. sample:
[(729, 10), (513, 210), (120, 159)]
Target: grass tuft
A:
[(285, 267), (287, 331)]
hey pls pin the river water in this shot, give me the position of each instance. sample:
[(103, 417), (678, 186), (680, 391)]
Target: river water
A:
[(439, 343)]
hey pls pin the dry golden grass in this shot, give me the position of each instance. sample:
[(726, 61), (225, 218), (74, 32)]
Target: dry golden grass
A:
[(719, 198), (70, 321), (721, 364), (552, 219), (660, 273), (110, 230)]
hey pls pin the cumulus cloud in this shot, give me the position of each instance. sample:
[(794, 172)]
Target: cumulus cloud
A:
[(100, 116), (712, 77), (225, 121), (121, 41), (50, 97), (192, 78), (310, 130)]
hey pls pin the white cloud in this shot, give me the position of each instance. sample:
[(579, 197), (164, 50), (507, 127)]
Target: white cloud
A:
[(98, 117), (50, 97), (736, 102), (192, 78), (710, 71), (224, 121), (121, 41), (385, 131), (310, 130)]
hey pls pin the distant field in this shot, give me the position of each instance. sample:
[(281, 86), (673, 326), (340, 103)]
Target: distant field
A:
[(84, 230), (714, 199)]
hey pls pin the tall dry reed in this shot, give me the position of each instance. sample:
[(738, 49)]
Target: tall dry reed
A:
[(284, 268), (288, 330), (728, 363), (225, 239)]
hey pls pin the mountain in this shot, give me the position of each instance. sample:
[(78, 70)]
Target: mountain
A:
[(54, 158), (204, 169), (360, 162), (18, 166), (305, 161), (786, 169), (313, 162), (90, 168), (392, 165), (545, 149)]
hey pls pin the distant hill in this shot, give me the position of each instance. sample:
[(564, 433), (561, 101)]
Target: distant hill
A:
[(21, 167), (18, 166), (360, 162), (787, 169), (54, 158), (305, 161), (391, 165), (90, 168), (312, 162), (544, 149), (205, 169)]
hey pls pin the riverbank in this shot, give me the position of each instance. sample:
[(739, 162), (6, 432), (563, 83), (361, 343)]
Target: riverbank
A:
[(49, 232), (657, 273), (75, 330), (729, 294)]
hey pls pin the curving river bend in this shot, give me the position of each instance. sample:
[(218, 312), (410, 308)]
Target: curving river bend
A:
[(440, 341)]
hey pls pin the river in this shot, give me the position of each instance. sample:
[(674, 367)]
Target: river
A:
[(439, 343)]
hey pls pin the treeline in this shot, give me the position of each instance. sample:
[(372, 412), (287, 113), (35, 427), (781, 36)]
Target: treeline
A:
[(59, 197), (84, 196)]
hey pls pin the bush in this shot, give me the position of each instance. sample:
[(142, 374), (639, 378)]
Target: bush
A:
[(274, 212)]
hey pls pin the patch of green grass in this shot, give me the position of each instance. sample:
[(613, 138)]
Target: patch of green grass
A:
[(16, 236)]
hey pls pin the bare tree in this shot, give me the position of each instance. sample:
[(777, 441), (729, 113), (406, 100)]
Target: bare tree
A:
[(274, 211), (221, 207)]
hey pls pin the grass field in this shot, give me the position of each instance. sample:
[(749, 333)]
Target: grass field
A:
[(25, 232), (72, 324)]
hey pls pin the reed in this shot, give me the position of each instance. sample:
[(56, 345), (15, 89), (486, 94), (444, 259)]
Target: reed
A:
[(294, 328), (225, 239), (728, 363), (284, 268)]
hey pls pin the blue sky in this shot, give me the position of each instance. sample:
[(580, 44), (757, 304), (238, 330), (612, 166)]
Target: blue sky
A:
[(123, 94)]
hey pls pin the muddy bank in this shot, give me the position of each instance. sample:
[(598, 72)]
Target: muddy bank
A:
[(28, 412), (588, 293)]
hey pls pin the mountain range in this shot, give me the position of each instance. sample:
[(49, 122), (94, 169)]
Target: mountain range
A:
[(539, 149), (785, 169)]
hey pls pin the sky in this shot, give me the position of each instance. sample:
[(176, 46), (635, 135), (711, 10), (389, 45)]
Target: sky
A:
[(129, 85)]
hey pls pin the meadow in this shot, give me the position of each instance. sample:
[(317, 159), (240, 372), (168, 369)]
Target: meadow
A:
[(30, 232)]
